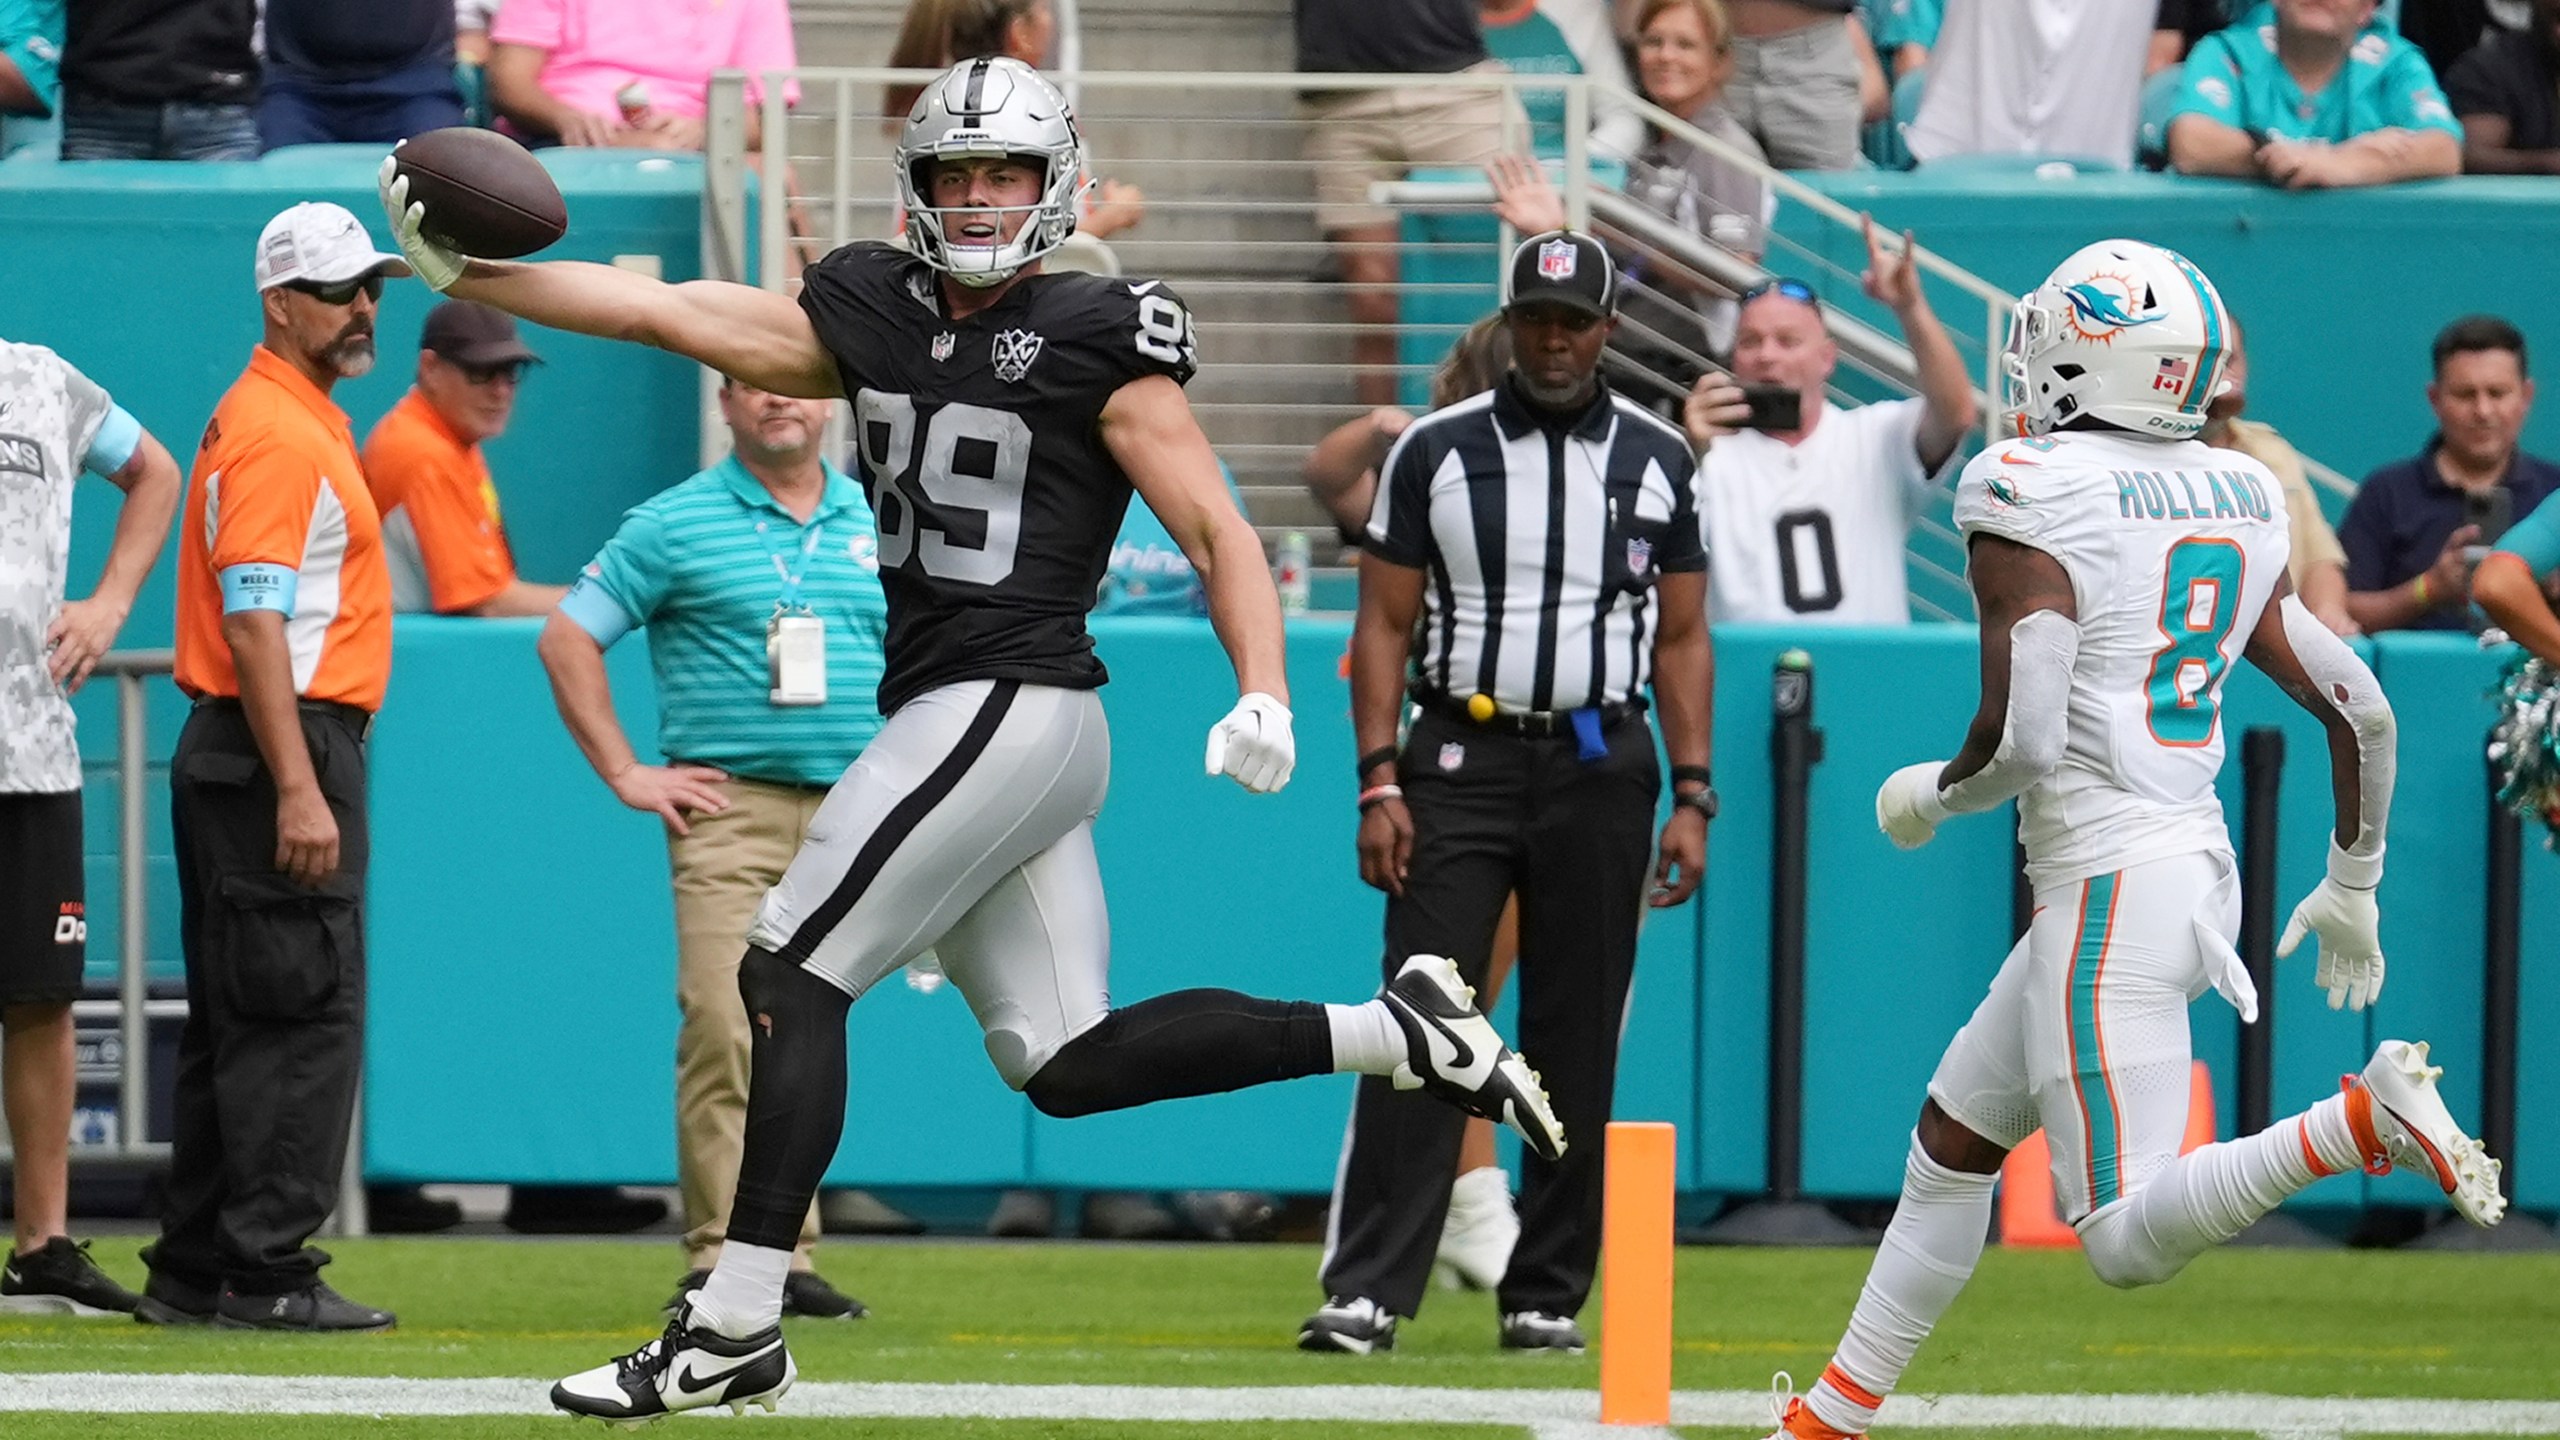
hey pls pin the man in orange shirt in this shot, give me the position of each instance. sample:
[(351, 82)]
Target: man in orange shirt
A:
[(284, 643), (440, 521)]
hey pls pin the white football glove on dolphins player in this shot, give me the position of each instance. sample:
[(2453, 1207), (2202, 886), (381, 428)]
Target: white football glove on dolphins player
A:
[(2349, 925), (1253, 745)]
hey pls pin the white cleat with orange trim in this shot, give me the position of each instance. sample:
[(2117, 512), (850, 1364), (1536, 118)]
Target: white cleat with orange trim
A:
[(2406, 1124), (1795, 1419)]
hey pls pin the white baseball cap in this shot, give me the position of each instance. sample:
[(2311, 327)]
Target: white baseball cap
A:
[(320, 242)]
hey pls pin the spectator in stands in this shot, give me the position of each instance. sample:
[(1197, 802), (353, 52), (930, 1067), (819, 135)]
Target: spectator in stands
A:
[(30, 74), (2515, 585), (938, 34), (2504, 94), (2318, 567), (1804, 79), (1356, 138), (2026, 77), (160, 80), (2417, 526), (1565, 37), (2177, 25), (633, 73), (1905, 32), (1342, 470), (471, 56), (61, 425), (357, 74), (1808, 525), (440, 516), (729, 571), (2312, 99), (284, 644)]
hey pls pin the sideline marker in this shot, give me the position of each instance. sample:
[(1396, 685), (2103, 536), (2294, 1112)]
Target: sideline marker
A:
[(1635, 1274)]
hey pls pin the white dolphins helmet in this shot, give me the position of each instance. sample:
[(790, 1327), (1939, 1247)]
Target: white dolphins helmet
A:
[(986, 107), (2123, 332)]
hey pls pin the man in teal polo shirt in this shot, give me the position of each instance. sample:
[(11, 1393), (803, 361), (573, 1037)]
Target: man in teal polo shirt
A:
[(2309, 97), (758, 584)]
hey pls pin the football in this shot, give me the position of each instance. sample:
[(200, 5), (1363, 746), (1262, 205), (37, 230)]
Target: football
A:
[(486, 195)]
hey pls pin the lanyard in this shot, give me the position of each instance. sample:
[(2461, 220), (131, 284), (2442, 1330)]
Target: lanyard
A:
[(791, 578)]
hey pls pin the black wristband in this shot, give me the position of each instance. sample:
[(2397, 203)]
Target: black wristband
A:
[(1704, 775), (1383, 755)]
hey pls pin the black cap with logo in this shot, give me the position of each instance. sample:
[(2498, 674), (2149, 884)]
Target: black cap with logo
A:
[(469, 333), (1562, 267)]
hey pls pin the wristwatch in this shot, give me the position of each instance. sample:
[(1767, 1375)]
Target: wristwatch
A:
[(1702, 800)]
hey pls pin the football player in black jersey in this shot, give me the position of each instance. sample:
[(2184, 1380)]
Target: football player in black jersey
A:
[(1003, 417)]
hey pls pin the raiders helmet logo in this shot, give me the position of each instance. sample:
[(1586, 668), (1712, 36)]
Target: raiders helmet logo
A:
[(1014, 352)]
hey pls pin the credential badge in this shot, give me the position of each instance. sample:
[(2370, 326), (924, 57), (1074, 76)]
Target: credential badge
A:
[(1014, 352)]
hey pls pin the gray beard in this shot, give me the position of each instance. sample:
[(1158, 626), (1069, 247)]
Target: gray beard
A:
[(350, 357)]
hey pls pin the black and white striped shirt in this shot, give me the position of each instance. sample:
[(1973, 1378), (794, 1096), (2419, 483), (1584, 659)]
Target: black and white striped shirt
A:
[(1542, 539)]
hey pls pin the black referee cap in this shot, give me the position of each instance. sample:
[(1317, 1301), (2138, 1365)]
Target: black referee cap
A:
[(1562, 267)]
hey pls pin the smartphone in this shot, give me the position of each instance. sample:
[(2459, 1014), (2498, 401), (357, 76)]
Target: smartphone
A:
[(1774, 407), (2493, 510)]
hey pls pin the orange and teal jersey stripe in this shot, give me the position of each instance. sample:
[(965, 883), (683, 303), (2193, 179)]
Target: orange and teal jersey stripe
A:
[(2101, 1118)]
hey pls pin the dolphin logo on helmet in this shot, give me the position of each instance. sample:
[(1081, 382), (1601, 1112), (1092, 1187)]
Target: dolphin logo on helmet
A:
[(2090, 344)]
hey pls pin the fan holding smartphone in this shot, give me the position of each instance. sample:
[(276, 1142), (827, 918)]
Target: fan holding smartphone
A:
[(1807, 504)]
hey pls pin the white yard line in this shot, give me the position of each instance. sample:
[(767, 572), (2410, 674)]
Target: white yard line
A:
[(1548, 1414)]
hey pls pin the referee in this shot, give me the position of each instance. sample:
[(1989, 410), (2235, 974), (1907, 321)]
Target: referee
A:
[(1546, 534)]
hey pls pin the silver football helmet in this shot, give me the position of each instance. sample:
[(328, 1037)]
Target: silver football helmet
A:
[(993, 106)]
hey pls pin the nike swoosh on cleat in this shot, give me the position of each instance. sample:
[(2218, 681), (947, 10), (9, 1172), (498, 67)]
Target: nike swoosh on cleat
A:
[(1465, 1056), (2445, 1178), (685, 1382)]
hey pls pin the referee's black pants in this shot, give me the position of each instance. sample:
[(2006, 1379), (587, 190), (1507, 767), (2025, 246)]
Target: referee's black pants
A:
[(274, 1041), (1495, 815)]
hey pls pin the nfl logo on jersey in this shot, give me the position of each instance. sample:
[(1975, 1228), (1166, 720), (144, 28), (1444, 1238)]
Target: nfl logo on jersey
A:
[(1639, 556), (1556, 259), (942, 344)]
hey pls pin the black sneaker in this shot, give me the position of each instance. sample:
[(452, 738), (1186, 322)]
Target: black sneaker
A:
[(59, 1278), (168, 1301), (408, 1210), (807, 1295), (1348, 1326), (693, 1280), (683, 1369), (314, 1307), (1538, 1330)]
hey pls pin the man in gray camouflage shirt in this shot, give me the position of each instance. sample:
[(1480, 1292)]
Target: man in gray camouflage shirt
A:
[(54, 423)]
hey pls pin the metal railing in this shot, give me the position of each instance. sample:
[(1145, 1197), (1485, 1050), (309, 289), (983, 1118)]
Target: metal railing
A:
[(1229, 223)]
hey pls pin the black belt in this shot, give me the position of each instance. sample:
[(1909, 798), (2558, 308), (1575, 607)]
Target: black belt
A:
[(1537, 724), (355, 717)]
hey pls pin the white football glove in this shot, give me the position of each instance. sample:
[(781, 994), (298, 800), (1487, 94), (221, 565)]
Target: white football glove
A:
[(2349, 925), (1253, 744), (435, 264), (1907, 806)]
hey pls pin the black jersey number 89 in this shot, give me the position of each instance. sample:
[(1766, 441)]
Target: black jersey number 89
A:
[(973, 462)]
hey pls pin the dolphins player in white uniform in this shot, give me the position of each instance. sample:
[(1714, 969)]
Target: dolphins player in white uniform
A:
[(2120, 567)]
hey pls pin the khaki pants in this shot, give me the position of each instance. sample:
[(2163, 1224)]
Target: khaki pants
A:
[(721, 873), (1357, 138)]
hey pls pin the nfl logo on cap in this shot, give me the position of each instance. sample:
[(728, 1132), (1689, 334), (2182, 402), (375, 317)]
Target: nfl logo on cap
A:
[(1556, 259)]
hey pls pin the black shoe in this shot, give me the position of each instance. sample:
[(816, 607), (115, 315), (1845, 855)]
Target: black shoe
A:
[(1538, 1330), (407, 1210), (580, 1210), (807, 1294), (684, 1369), (59, 1278), (1348, 1326), (693, 1280), (859, 1212), (313, 1307), (167, 1301)]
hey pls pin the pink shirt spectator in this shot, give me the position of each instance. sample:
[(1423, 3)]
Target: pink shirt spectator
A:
[(671, 46)]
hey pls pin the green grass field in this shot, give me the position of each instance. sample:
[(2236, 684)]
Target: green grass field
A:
[(2367, 1325)]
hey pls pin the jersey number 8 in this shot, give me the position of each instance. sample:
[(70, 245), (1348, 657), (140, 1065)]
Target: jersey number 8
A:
[(2199, 602), (999, 451)]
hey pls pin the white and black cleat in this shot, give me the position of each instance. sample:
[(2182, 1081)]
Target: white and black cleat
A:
[(686, 1368), (1541, 1330), (1453, 1053), (1348, 1326)]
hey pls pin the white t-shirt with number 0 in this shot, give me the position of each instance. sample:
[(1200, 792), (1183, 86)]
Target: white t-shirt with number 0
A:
[(1814, 533)]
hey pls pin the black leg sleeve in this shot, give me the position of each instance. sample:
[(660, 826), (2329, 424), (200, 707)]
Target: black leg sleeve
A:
[(1191, 1042), (795, 1096)]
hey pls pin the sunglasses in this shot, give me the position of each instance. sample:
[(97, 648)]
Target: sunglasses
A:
[(511, 372), (1795, 290), (342, 292)]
